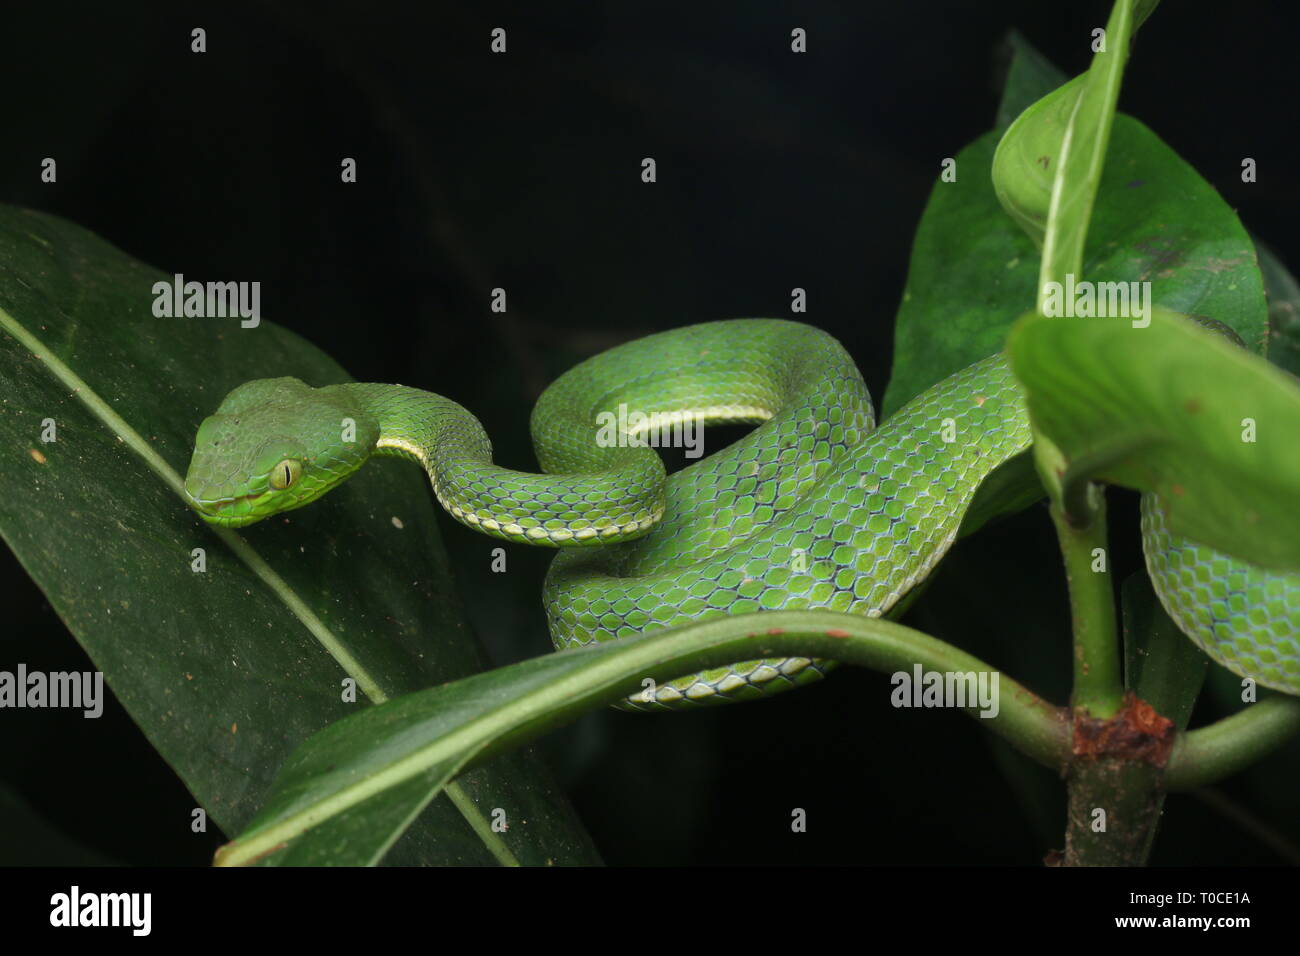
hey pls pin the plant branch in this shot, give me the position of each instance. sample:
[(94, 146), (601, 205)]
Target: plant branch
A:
[(1032, 725), (1113, 811), (1117, 791), (1209, 754), (1098, 688)]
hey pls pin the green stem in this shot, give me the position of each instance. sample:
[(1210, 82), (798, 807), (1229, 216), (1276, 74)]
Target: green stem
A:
[(1032, 725), (1201, 757), (1098, 687), (1114, 801), (582, 679)]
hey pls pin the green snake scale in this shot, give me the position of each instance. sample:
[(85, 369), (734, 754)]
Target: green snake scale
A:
[(814, 508)]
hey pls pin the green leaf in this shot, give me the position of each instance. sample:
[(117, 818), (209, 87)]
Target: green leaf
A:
[(1049, 164), (1169, 409), (1031, 76), (229, 669), (421, 741), (973, 272), (1027, 161), (1161, 665)]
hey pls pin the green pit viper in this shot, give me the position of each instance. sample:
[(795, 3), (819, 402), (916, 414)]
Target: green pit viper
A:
[(814, 508)]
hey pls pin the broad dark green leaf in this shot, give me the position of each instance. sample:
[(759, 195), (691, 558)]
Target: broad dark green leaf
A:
[(226, 670), (1174, 409)]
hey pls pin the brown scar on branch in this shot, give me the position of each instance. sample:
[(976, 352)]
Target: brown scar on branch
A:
[(1137, 732)]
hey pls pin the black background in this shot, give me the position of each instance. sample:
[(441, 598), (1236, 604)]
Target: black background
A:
[(523, 171)]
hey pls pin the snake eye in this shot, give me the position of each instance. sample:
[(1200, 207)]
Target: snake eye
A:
[(285, 473)]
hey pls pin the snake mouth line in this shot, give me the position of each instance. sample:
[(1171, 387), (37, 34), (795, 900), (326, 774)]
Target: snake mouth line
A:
[(205, 503), (217, 510)]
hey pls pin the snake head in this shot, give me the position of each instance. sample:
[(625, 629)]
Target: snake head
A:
[(273, 445)]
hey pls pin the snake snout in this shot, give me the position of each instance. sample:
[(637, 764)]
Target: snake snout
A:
[(206, 496), (200, 496)]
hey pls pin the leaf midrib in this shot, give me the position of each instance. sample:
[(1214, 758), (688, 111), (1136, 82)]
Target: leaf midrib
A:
[(327, 639)]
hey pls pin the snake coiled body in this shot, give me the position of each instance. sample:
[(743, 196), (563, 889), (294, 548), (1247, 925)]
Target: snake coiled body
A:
[(814, 508)]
